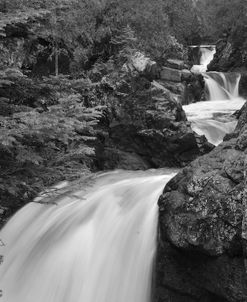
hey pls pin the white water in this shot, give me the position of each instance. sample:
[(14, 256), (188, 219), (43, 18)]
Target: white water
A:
[(207, 55), (222, 86), (213, 118), (93, 246)]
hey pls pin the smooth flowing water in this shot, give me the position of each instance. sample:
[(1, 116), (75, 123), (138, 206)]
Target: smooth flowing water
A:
[(93, 245), (213, 119)]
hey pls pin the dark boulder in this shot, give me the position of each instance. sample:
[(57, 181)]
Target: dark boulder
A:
[(203, 225)]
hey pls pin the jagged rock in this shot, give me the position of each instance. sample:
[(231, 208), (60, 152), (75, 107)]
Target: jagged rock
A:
[(223, 59), (152, 124), (203, 223)]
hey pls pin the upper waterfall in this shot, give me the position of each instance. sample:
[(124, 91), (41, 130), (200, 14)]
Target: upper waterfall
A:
[(206, 56)]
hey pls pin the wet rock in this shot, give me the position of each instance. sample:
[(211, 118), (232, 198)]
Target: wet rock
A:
[(194, 55), (202, 221), (243, 84)]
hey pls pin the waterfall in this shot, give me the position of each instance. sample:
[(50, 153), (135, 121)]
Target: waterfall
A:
[(206, 56), (213, 118), (222, 86), (93, 245)]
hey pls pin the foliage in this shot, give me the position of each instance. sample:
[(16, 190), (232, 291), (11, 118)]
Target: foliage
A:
[(183, 20), (219, 16), (88, 28), (51, 142)]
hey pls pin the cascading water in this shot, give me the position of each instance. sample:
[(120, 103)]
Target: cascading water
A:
[(206, 56), (213, 118), (222, 86), (96, 245)]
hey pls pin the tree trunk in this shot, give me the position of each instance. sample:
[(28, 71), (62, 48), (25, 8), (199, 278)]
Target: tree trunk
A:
[(56, 59)]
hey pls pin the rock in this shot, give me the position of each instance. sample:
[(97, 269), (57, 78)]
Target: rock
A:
[(194, 55), (231, 51), (169, 74), (117, 159), (243, 84), (202, 220), (152, 124), (194, 89), (176, 64), (223, 59), (143, 65), (186, 75), (175, 88)]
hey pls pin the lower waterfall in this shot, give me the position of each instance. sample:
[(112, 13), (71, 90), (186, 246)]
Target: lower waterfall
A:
[(96, 245)]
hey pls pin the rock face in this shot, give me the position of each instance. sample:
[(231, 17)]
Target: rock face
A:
[(203, 227), (149, 123)]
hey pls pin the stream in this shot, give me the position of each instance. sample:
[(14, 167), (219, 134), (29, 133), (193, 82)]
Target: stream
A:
[(98, 244)]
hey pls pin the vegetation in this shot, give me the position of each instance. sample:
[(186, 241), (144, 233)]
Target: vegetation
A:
[(221, 16)]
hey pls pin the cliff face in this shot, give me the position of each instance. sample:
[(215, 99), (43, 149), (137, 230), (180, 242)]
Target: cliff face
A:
[(203, 226)]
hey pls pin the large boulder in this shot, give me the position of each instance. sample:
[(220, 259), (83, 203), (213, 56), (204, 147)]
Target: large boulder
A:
[(203, 226)]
